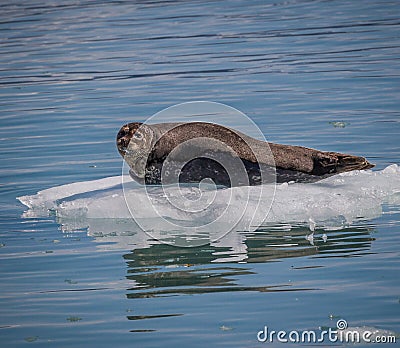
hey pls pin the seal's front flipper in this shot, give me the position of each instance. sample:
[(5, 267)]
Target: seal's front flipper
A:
[(135, 177)]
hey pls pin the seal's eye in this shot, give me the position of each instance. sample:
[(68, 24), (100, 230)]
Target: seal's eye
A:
[(137, 136)]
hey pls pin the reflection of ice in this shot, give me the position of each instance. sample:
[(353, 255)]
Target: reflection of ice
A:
[(100, 206)]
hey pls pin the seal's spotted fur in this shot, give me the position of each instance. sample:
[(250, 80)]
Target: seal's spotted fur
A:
[(146, 147)]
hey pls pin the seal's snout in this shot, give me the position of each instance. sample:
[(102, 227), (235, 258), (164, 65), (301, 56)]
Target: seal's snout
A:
[(124, 136)]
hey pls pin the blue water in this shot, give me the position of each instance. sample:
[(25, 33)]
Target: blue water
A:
[(72, 73)]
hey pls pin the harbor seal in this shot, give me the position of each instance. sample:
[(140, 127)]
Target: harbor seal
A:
[(196, 151)]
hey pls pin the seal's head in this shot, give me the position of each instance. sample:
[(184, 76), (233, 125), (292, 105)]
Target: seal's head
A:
[(134, 143), (125, 135)]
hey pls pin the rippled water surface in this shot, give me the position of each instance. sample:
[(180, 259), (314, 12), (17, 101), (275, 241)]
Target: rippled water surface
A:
[(322, 74)]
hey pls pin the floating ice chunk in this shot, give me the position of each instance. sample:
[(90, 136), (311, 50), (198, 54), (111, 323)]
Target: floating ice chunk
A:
[(47, 198), (310, 238), (339, 124), (332, 203), (311, 224), (392, 169)]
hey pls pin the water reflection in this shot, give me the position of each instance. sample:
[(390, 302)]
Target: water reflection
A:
[(160, 271), (163, 270)]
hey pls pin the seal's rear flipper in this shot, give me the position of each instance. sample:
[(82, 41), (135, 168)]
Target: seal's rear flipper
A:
[(334, 163), (347, 163)]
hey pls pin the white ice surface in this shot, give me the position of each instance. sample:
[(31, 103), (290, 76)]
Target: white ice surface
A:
[(101, 205)]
